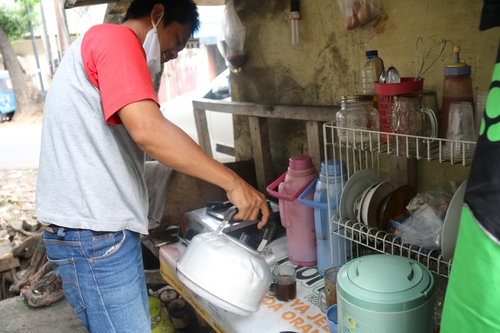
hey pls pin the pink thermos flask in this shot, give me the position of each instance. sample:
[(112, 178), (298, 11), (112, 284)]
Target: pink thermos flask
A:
[(295, 217)]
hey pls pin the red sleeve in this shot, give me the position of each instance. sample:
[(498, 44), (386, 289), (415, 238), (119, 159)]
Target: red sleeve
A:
[(115, 63)]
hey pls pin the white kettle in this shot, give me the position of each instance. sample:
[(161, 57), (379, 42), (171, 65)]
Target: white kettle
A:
[(226, 272)]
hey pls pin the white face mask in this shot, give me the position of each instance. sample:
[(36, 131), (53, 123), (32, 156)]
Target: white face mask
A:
[(152, 47)]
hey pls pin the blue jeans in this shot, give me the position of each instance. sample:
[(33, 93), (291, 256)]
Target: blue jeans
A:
[(103, 277)]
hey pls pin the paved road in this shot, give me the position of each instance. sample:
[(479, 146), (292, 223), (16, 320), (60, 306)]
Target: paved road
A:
[(19, 146)]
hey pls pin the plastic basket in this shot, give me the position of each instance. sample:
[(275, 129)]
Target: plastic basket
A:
[(385, 94)]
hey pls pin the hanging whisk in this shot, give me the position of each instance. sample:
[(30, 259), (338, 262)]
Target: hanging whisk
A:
[(427, 60)]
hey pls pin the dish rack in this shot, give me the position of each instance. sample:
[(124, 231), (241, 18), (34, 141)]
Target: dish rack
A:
[(361, 149)]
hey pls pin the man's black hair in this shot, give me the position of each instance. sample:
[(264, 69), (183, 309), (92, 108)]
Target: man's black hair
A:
[(182, 11)]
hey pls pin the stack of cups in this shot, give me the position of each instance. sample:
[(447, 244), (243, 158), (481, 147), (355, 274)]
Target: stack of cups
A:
[(480, 105), (460, 128)]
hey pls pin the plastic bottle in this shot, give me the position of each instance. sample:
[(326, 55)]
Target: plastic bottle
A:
[(457, 87), (296, 218), (371, 71)]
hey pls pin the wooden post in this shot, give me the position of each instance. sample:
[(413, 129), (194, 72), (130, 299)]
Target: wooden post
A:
[(315, 142), (200, 119), (261, 152), (404, 170)]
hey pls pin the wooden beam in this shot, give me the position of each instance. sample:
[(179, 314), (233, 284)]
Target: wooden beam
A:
[(221, 148), (298, 112), (122, 5)]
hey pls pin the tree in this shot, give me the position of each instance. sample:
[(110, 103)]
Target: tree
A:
[(14, 23)]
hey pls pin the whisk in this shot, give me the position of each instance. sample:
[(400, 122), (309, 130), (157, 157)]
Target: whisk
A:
[(427, 59)]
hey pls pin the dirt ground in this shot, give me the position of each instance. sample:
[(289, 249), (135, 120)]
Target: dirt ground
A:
[(17, 195)]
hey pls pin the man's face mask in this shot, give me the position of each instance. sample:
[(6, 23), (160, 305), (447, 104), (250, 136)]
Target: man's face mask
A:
[(152, 47)]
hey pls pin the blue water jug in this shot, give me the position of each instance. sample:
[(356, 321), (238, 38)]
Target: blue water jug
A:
[(337, 178)]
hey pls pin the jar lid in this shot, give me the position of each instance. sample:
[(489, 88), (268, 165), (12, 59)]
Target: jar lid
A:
[(385, 283), (356, 98)]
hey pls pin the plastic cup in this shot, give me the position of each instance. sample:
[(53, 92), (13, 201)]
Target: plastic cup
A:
[(460, 128), (332, 316)]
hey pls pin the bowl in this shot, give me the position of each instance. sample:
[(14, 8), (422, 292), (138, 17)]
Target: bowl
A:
[(393, 205)]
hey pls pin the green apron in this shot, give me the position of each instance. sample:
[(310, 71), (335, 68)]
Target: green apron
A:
[(472, 301)]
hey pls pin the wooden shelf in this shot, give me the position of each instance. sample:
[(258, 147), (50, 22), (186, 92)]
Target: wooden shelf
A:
[(313, 116)]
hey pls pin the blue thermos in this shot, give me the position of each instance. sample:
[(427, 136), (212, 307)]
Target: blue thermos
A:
[(337, 178)]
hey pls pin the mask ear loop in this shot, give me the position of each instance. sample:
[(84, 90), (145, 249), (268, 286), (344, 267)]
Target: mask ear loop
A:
[(155, 25)]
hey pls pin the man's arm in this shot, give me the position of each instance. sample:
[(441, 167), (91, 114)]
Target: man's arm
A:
[(168, 144)]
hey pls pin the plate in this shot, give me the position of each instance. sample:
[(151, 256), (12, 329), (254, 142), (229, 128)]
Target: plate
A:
[(359, 202), (372, 202), (394, 204), (451, 223), (359, 182)]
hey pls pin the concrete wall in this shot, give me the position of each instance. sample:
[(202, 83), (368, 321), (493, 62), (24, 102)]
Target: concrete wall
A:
[(327, 62)]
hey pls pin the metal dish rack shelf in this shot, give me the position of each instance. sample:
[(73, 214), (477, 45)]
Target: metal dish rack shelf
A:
[(360, 149)]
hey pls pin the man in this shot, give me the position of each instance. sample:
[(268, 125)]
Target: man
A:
[(101, 117), (472, 301)]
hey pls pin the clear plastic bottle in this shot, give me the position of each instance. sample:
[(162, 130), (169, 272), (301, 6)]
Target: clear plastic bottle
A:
[(371, 71)]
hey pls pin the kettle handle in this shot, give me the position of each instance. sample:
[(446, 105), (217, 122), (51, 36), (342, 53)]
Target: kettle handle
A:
[(229, 214), (269, 232)]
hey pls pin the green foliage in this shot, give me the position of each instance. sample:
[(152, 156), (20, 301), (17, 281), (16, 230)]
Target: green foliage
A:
[(14, 19)]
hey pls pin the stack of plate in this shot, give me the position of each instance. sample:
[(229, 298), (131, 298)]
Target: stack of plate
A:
[(368, 200)]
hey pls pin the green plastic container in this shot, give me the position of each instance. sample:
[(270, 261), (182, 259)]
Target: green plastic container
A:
[(159, 322), (385, 294)]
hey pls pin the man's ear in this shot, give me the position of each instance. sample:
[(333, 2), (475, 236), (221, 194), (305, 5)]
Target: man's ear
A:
[(157, 12)]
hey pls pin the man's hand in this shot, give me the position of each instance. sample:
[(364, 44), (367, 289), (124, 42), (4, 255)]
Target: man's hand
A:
[(249, 202)]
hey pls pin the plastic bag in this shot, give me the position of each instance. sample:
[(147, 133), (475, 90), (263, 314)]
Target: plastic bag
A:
[(423, 228), (359, 12), (437, 199), (231, 41)]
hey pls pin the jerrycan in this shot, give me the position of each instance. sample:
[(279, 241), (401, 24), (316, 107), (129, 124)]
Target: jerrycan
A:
[(326, 241), (296, 218), (457, 87)]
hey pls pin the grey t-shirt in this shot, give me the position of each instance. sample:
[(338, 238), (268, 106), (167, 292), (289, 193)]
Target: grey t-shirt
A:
[(91, 174)]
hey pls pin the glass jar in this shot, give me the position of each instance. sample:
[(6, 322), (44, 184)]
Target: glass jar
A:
[(357, 112)]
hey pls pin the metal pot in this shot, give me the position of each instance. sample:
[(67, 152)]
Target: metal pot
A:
[(226, 272)]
